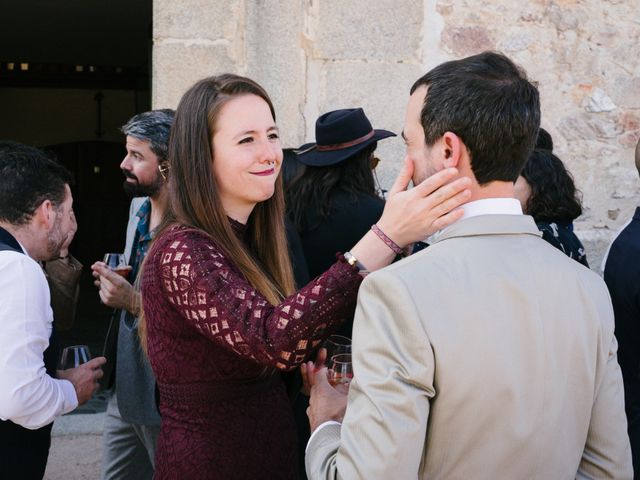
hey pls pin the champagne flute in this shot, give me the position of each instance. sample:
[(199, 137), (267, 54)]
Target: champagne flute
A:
[(341, 371), (117, 263), (73, 357)]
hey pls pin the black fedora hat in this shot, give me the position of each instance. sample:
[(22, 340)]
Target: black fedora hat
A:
[(340, 134)]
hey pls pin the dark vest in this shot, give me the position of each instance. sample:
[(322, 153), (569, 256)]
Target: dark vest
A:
[(24, 452)]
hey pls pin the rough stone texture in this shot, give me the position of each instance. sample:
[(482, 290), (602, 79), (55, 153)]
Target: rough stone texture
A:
[(177, 66), (201, 19), (464, 41), (192, 40), (348, 31), (316, 55), (279, 64)]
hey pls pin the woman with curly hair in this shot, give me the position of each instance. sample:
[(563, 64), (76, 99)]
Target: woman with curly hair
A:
[(547, 193)]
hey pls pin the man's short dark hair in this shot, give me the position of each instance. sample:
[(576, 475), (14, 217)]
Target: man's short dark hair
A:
[(488, 102), (28, 177), (154, 127)]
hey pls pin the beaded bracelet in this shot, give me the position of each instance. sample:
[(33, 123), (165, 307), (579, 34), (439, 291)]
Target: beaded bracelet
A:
[(387, 241)]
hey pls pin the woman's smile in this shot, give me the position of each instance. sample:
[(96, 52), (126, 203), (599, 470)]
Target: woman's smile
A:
[(265, 173)]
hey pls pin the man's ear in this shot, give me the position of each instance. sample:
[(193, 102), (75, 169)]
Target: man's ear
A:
[(453, 147), (45, 214)]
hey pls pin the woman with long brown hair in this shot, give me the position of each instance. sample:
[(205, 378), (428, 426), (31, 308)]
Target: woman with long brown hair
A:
[(221, 313)]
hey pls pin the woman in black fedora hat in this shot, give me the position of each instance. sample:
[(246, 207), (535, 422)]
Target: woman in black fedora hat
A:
[(332, 201)]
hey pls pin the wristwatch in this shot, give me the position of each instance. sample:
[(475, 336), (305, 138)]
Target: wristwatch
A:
[(353, 261)]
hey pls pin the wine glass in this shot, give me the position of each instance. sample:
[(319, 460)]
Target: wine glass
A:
[(341, 371), (336, 345), (117, 263), (73, 357)]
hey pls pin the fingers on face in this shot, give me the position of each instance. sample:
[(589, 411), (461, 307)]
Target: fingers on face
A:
[(434, 182), (402, 180)]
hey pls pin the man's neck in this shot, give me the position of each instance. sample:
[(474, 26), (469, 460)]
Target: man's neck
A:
[(496, 189), (158, 205)]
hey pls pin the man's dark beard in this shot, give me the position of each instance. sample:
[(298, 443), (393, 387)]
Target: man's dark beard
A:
[(55, 240), (138, 190)]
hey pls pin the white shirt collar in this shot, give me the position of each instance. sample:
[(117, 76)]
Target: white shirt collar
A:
[(485, 206), (24, 250), (492, 206)]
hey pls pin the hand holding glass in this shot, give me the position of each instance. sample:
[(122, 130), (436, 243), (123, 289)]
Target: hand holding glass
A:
[(73, 357), (117, 263)]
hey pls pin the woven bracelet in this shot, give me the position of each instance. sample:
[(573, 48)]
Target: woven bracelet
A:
[(387, 241)]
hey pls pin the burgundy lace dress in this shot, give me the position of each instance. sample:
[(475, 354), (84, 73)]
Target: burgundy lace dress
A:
[(215, 345)]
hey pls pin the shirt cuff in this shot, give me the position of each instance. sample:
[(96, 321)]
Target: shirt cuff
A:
[(322, 425), (70, 397)]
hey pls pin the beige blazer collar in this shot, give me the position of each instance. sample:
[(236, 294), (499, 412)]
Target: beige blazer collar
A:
[(490, 225)]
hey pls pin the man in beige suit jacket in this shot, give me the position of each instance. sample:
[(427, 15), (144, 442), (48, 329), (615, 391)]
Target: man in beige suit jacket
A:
[(490, 354)]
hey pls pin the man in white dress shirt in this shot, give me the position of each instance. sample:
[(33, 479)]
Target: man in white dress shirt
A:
[(490, 354), (35, 221)]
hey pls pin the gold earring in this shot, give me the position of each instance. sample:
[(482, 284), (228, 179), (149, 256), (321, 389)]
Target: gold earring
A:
[(164, 171)]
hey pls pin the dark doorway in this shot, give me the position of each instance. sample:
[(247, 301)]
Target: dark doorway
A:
[(101, 209), (71, 73)]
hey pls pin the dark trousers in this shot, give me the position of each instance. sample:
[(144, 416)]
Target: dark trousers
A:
[(23, 452)]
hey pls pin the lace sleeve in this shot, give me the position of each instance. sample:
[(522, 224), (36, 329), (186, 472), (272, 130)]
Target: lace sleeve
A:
[(212, 295)]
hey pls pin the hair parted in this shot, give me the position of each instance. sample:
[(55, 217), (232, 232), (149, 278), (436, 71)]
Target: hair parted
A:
[(488, 102), (554, 197), (316, 186), (153, 126), (193, 191), (28, 177)]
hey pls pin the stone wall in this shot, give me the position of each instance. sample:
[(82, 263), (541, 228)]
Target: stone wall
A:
[(313, 56)]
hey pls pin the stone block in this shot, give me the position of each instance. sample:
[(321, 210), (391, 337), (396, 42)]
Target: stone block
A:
[(275, 58), (197, 19), (177, 66), (599, 101), (596, 242), (467, 40), (589, 127), (366, 30), (565, 18), (516, 43), (626, 92)]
